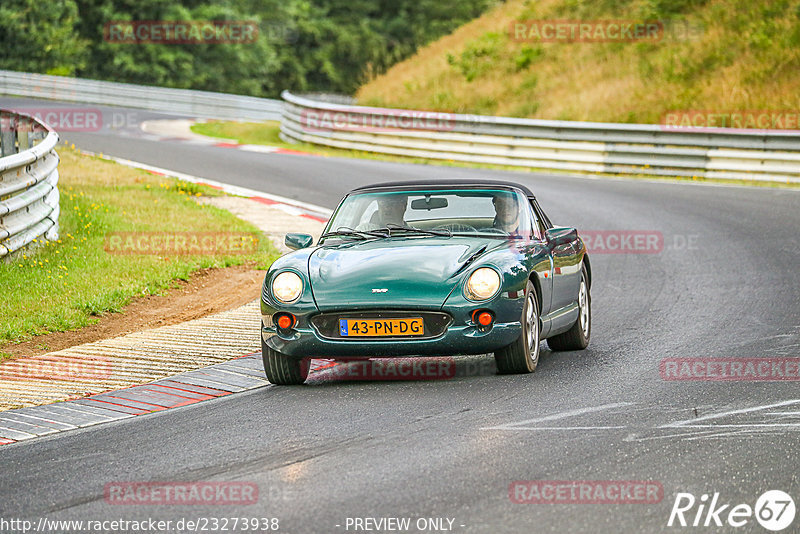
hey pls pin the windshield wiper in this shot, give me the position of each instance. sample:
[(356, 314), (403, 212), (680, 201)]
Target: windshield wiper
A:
[(399, 228), (472, 258), (360, 234)]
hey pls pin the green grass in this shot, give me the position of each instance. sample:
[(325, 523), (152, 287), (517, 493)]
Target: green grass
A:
[(714, 55), (247, 133), (65, 285), (266, 133)]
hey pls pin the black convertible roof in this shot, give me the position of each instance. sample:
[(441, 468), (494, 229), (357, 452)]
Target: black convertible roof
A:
[(445, 184)]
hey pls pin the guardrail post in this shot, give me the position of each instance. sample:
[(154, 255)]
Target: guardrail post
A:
[(7, 135), (7, 143), (23, 135)]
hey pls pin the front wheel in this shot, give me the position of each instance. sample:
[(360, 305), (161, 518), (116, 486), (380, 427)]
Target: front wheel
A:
[(522, 356), (577, 337), (283, 370)]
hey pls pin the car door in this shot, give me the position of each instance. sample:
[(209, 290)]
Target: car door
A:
[(567, 255), (566, 251), (544, 265)]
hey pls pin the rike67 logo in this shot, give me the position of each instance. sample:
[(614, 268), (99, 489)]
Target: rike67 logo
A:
[(774, 510)]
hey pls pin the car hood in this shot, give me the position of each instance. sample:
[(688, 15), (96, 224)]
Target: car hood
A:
[(399, 272)]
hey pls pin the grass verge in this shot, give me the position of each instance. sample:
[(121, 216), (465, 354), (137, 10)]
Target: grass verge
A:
[(65, 285), (266, 133), (718, 56)]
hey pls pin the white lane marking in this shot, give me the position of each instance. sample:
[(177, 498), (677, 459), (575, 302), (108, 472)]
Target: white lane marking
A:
[(782, 186), (561, 415), (692, 423), (13, 423), (717, 434), (228, 188), (555, 428), (69, 426), (259, 148), (291, 210), (17, 435), (637, 437), (747, 425), (88, 412)]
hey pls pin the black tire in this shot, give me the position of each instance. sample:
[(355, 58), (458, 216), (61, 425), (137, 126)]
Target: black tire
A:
[(522, 356), (284, 370), (577, 337)]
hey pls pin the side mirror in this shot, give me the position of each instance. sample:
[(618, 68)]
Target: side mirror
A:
[(298, 241), (561, 236)]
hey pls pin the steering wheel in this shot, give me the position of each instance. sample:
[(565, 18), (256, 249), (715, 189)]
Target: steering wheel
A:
[(456, 227)]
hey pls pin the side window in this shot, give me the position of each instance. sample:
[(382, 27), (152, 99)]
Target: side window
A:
[(539, 225), (536, 228), (541, 217)]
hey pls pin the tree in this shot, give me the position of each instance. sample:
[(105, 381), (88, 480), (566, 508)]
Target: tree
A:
[(38, 36)]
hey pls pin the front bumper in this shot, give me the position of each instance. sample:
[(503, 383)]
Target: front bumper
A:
[(305, 342)]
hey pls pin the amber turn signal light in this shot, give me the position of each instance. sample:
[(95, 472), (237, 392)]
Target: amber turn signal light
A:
[(482, 318), (285, 321)]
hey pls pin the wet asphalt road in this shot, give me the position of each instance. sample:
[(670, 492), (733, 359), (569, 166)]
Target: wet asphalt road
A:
[(726, 284)]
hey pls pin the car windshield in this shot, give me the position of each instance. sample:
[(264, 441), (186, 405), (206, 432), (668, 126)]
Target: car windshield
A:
[(490, 213)]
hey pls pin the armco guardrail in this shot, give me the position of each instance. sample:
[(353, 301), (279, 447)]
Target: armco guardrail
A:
[(541, 144), (201, 104), (29, 197)]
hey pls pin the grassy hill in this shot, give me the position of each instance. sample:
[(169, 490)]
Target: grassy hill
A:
[(716, 55)]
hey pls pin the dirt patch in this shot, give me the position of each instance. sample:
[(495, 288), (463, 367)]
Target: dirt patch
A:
[(208, 291)]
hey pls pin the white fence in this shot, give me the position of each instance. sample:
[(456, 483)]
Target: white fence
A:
[(541, 144), (202, 104), (29, 197)]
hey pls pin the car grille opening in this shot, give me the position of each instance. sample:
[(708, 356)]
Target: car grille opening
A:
[(327, 324)]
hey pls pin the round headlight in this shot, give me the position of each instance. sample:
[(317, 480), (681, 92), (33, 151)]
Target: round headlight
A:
[(287, 286), (483, 284)]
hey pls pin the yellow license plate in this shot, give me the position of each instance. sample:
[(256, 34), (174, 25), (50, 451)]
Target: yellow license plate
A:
[(413, 326)]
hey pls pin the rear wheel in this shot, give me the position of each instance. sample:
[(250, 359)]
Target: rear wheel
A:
[(577, 337), (284, 370), (522, 356)]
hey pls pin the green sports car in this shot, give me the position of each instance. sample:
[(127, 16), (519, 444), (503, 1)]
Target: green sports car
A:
[(427, 269)]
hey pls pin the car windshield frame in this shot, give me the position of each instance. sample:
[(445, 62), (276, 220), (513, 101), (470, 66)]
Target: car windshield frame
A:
[(361, 211)]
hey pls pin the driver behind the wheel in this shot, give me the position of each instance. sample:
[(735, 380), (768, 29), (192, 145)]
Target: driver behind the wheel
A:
[(506, 213), (391, 211)]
